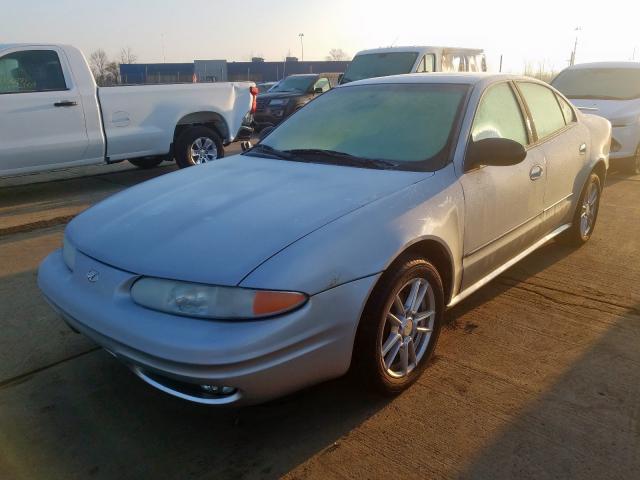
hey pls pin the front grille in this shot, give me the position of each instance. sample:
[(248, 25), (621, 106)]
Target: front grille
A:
[(261, 104)]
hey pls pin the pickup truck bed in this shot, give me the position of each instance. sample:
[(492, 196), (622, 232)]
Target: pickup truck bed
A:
[(52, 115)]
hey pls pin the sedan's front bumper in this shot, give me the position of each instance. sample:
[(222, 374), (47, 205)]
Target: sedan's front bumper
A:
[(259, 359), (628, 138)]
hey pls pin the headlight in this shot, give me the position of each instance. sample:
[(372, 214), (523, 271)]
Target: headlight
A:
[(68, 254), (206, 301), (277, 102)]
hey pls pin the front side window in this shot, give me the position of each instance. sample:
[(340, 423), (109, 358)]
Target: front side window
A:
[(408, 124), (499, 116), (372, 65), (544, 108), (31, 71)]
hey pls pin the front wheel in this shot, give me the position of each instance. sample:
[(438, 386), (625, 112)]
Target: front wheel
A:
[(400, 326), (197, 146), (584, 220)]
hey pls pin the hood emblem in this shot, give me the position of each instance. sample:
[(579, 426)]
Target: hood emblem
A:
[(93, 276)]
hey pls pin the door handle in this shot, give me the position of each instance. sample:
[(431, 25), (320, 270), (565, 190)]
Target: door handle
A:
[(583, 149), (65, 103), (536, 172)]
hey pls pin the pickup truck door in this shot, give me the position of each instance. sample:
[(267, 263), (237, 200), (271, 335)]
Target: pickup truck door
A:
[(503, 204), (42, 124)]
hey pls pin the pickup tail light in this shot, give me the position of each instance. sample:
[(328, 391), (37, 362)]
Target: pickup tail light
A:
[(254, 99)]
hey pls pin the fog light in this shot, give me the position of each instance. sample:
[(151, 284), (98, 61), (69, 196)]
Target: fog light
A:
[(218, 390)]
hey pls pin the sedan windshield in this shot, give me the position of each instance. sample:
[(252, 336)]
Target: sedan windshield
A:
[(295, 83), (403, 126), (600, 83), (379, 65)]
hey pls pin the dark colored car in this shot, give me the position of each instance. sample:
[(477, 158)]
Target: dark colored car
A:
[(291, 94)]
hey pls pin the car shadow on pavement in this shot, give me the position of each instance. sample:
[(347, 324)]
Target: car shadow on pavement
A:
[(586, 424)]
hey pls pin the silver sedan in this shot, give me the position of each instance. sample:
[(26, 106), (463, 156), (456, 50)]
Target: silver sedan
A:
[(337, 242)]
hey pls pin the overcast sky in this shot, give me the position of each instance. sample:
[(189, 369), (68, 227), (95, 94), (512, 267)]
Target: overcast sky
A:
[(531, 31)]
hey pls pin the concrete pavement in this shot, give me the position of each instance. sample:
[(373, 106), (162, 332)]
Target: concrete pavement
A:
[(536, 376)]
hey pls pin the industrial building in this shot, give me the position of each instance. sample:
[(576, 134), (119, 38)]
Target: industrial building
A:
[(256, 70)]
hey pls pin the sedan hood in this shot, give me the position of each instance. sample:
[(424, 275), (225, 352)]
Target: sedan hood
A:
[(612, 110), (215, 223)]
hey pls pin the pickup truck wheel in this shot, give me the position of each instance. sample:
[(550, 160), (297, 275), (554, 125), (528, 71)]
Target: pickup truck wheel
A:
[(400, 325), (147, 162), (198, 145), (584, 219)]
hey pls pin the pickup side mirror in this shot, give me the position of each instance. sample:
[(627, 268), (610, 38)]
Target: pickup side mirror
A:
[(498, 152), (265, 132)]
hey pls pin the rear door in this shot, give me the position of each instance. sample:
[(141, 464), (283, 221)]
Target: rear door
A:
[(42, 123), (503, 204), (565, 145)]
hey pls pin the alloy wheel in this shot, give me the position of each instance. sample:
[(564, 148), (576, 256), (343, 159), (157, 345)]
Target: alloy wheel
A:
[(589, 209), (203, 150), (408, 327)]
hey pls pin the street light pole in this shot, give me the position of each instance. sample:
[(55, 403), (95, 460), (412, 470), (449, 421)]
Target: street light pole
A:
[(575, 47), (301, 35)]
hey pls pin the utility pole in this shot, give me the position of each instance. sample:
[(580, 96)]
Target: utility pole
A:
[(575, 48), (301, 35), (164, 58), (500, 64)]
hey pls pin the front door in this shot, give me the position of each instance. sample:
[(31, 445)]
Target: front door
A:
[(503, 204), (42, 122)]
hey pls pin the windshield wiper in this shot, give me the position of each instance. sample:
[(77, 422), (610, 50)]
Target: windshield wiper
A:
[(341, 158), (270, 151)]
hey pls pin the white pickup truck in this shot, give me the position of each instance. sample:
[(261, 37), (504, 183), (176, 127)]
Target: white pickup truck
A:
[(52, 115)]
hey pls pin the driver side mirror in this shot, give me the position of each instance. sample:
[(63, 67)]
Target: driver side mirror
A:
[(318, 90), (497, 152)]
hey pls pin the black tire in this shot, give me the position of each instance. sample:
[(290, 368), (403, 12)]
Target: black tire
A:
[(368, 358), (576, 235), (147, 162), (631, 165), (183, 151)]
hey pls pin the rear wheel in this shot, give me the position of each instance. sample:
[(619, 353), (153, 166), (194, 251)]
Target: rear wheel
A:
[(198, 145), (584, 220), (147, 162), (400, 326)]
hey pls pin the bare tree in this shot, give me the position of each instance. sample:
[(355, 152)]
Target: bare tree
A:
[(127, 55), (105, 71), (98, 61), (337, 54)]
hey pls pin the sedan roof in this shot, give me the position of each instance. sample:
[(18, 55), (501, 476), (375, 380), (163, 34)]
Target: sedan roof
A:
[(464, 78)]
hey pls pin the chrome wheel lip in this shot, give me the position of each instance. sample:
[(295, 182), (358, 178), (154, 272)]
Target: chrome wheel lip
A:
[(203, 150), (408, 327), (589, 209)]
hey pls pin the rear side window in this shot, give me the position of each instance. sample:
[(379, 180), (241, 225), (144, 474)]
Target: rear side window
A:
[(567, 111), (499, 116), (31, 71), (544, 107)]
